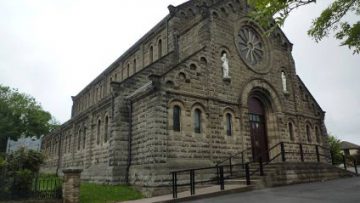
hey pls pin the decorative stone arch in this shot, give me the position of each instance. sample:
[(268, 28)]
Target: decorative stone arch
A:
[(291, 129), (317, 133), (107, 121), (261, 87), (203, 119), (309, 128), (234, 124), (203, 61), (171, 104), (268, 96), (98, 131)]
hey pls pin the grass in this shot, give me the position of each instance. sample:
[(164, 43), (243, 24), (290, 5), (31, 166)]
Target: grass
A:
[(95, 193)]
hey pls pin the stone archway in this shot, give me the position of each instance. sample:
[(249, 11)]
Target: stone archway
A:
[(261, 107)]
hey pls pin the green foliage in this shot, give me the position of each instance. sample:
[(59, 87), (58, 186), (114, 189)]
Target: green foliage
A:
[(18, 172), (335, 149), (95, 193), (24, 159), (22, 182), (21, 114), (330, 20)]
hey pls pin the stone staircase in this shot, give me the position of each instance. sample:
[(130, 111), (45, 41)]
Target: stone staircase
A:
[(287, 173)]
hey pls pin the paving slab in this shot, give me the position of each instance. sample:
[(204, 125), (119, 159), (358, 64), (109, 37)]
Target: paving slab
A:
[(200, 193)]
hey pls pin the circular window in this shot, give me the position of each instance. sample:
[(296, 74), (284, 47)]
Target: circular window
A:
[(252, 48)]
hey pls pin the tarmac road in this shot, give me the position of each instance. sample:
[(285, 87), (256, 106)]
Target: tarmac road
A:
[(345, 190)]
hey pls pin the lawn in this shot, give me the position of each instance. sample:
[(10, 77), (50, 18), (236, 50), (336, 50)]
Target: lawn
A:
[(96, 193)]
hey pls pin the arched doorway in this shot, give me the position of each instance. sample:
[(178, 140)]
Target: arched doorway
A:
[(257, 120)]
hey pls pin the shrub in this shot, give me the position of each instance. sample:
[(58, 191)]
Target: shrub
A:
[(18, 171)]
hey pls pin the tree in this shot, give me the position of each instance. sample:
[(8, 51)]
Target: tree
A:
[(330, 20), (20, 114), (335, 149)]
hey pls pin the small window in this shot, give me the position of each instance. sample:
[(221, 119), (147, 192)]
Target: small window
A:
[(106, 129), (79, 140), (151, 54), (228, 124), (176, 118), (317, 133), (197, 121), (291, 131), (84, 138), (308, 133), (65, 144), (98, 132), (160, 48), (134, 67), (128, 70)]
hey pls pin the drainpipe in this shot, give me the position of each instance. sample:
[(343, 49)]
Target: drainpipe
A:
[(129, 106)]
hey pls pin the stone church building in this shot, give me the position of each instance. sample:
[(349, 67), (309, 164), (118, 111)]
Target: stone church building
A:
[(205, 83)]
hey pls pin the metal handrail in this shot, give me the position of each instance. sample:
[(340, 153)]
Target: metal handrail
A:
[(258, 158)]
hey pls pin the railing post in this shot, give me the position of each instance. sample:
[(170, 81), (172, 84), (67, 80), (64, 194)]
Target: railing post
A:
[(247, 174), (283, 151), (344, 161), (222, 187), (317, 153), (230, 167), (174, 182), (261, 167), (301, 152), (355, 166), (192, 182)]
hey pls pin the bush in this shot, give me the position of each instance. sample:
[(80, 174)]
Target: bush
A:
[(17, 173)]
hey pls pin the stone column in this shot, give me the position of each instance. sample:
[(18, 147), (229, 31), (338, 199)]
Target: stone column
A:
[(71, 185)]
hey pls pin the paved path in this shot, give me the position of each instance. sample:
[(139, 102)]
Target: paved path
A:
[(199, 193), (337, 191)]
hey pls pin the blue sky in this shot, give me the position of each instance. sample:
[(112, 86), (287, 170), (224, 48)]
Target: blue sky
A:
[(52, 49)]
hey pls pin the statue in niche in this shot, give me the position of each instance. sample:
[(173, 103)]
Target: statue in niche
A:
[(225, 66), (283, 78)]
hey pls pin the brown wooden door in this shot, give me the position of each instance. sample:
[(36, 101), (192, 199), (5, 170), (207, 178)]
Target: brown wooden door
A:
[(258, 130)]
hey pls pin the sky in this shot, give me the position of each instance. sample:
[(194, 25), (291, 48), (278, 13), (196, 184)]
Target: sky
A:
[(52, 49)]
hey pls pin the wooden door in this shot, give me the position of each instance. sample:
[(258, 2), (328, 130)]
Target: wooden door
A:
[(258, 135)]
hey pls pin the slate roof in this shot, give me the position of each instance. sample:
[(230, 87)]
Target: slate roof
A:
[(349, 145)]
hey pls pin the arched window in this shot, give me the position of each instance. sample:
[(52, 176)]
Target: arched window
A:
[(317, 134), (98, 132), (84, 138), (151, 54), (176, 118), (159, 48), (128, 70), (65, 144), (134, 67), (291, 131), (70, 143), (79, 140), (106, 129), (228, 124), (197, 121), (308, 133)]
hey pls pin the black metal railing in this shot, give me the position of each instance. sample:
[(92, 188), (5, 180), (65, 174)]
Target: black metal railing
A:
[(216, 175), (349, 161), (313, 153), (39, 188)]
